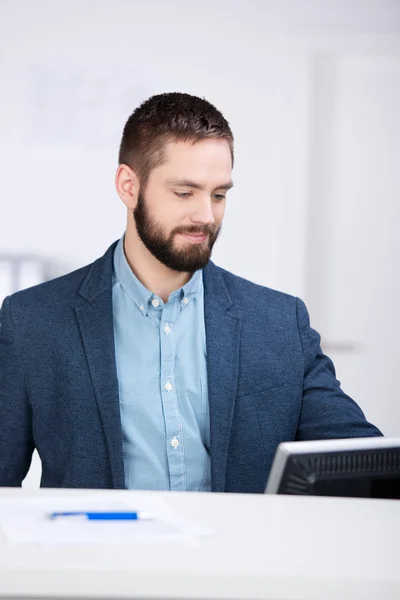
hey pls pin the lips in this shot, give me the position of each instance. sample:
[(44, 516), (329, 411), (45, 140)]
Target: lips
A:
[(195, 238)]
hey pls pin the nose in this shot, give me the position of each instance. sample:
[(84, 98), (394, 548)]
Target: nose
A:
[(203, 214)]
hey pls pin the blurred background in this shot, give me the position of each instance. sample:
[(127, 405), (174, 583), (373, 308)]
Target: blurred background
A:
[(311, 89)]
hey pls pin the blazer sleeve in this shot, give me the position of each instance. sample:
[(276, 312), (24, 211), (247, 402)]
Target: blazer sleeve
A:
[(326, 411), (16, 439)]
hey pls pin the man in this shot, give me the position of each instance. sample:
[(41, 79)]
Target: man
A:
[(152, 368)]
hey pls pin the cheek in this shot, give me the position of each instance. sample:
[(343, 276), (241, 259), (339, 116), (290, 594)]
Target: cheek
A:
[(167, 214), (175, 217), (218, 212)]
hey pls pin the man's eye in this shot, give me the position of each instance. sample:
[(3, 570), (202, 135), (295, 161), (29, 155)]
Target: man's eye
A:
[(219, 197), (183, 194)]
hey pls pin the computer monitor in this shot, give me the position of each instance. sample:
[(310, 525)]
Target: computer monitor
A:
[(357, 467)]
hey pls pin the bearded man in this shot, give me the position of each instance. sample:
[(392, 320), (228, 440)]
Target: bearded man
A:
[(152, 368)]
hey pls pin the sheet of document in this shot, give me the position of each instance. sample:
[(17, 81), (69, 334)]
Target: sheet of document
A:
[(27, 520)]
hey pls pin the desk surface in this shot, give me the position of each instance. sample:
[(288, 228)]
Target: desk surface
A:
[(287, 548)]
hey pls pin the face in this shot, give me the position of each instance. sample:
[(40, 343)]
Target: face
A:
[(179, 214)]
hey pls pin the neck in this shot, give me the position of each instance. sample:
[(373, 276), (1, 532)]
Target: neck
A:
[(156, 277)]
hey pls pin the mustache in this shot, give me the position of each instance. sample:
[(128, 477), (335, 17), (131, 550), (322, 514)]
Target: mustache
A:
[(196, 229)]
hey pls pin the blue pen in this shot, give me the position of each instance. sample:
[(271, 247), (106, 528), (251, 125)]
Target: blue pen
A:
[(103, 516)]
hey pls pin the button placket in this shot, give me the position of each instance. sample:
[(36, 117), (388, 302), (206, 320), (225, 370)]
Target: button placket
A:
[(173, 427)]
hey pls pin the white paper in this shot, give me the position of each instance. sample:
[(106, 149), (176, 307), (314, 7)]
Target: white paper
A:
[(26, 520)]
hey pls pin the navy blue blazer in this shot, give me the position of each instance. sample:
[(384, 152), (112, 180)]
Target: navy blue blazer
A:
[(268, 381)]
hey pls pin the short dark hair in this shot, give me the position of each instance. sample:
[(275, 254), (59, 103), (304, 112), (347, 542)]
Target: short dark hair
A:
[(164, 118)]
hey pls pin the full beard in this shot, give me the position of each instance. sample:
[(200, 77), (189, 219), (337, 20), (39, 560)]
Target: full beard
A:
[(188, 259)]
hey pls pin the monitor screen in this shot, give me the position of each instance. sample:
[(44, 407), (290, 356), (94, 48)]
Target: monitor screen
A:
[(357, 467)]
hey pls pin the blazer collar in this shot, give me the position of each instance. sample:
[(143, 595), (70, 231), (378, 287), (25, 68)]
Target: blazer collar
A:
[(95, 321), (99, 277), (222, 342)]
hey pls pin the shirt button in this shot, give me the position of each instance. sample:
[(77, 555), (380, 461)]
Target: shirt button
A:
[(168, 386), (185, 300), (155, 302), (141, 307), (167, 329), (175, 442)]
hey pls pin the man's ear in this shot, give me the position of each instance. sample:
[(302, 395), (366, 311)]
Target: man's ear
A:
[(127, 185)]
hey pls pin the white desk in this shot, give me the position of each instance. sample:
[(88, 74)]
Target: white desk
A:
[(287, 548)]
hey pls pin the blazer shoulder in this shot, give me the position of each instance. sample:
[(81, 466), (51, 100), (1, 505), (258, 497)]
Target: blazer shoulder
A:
[(64, 290), (61, 289), (250, 293)]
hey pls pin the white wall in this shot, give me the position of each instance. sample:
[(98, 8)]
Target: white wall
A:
[(71, 73), (353, 246)]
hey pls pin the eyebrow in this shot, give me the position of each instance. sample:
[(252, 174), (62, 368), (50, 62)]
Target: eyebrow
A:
[(197, 186)]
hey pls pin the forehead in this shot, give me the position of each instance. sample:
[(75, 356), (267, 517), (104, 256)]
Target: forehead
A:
[(204, 160)]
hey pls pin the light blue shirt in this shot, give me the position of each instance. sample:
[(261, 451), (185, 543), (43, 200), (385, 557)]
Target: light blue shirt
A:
[(162, 377)]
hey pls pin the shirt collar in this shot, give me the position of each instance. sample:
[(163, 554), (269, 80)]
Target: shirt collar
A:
[(139, 293)]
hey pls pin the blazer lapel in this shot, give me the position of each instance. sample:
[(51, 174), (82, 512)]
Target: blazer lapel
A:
[(95, 319), (222, 342)]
